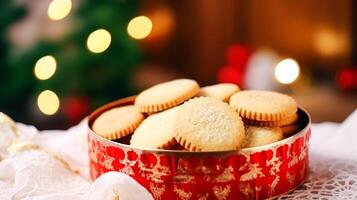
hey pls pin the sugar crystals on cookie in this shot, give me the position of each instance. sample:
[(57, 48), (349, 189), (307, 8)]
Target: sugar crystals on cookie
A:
[(208, 124)]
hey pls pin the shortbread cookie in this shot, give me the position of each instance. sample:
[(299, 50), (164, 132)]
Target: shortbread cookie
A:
[(286, 121), (166, 95), (118, 122), (258, 136), (289, 120), (222, 91), (156, 131), (290, 129), (208, 124), (263, 105)]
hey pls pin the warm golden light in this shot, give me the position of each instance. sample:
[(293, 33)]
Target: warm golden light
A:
[(328, 43), (59, 9), (99, 40), (45, 67), (48, 102), (287, 71), (139, 27)]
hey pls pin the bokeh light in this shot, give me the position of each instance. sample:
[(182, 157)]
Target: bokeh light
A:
[(48, 102), (45, 67), (328, 43), (59, 9), (139, 27), (287, 71), (99, 40)]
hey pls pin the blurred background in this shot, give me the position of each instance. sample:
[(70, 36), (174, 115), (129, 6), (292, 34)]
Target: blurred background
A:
[(61, 59)]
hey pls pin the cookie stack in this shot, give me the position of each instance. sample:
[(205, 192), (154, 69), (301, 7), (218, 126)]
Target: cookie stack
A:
[(268, 116), (180, 115)]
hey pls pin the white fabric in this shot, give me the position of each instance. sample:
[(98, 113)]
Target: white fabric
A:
[(37, 175)]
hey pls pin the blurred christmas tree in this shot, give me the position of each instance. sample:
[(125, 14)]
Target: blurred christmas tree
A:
[(86, 61), (10, 13)]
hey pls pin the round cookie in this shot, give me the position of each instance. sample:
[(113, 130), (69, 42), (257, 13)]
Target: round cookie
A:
[(258, 136), (166, 95), (262, 105), (289, 120), (286, 121), (118, 122), (157, 131), (222, 91), (208, 124), (290, 129)]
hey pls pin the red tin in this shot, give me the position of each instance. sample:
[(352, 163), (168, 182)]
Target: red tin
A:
[(251, 173)]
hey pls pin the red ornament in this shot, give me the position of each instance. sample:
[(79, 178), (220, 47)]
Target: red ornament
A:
[(237, 56), (76, 108), (229, 74), (347, 79)]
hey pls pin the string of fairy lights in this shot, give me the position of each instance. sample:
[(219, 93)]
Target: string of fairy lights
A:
[(97, 42), (286, 71)]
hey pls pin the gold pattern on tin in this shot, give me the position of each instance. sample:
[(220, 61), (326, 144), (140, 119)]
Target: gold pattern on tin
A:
[(201, 169), (92, 155), (296, 158), (275, 163), (302, 154), (302, 171), (127, 170), (202, 196), (182, 194), (226, 176), (128, 164), (97, 150), (157, 190), (222, 193), (254, 172), (246, 189), (108, 162), (274, 171), (293, 161), (183, 178), (182, 174), (154, 173), (290, 178), (273, 185)]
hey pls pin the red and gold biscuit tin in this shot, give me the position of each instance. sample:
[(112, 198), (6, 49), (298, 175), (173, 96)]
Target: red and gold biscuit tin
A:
[(251, 173)]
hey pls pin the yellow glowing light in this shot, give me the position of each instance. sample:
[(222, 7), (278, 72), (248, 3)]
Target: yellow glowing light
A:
[(48, 102), (139, 27), (45, 67), (287, 71), (329, 43), (59, 9), (99, 40)]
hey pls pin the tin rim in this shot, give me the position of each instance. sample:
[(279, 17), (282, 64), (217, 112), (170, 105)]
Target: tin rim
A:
[(130, 100)]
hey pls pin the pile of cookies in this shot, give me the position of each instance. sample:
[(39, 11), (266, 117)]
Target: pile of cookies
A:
[(180, 115)]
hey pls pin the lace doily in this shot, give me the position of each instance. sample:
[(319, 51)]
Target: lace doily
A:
[(328, 179)]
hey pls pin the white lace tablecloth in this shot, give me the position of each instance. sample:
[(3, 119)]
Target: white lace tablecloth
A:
[(39, 174)]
